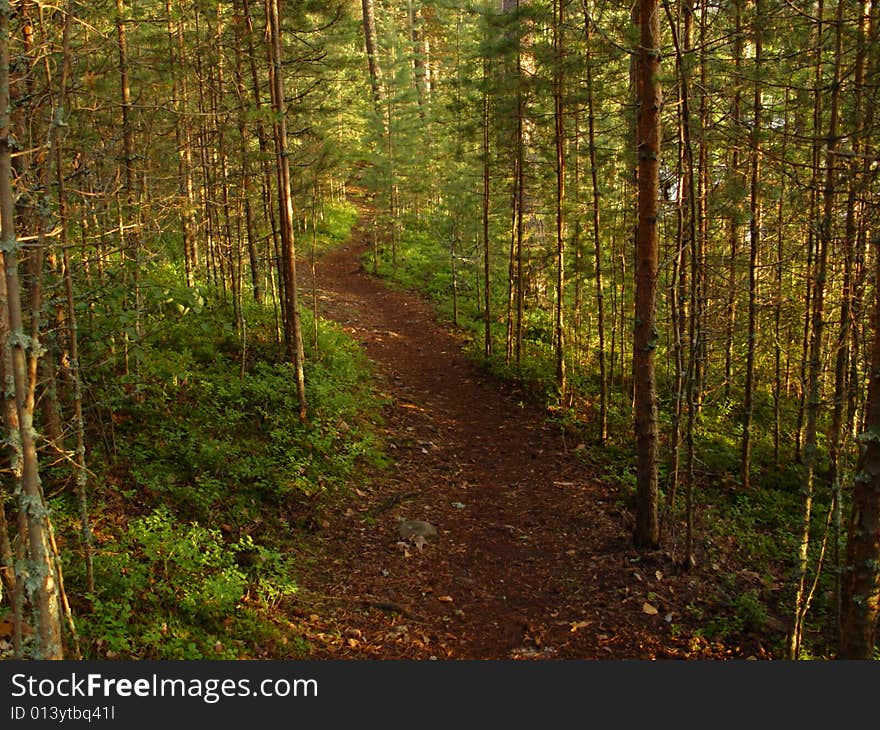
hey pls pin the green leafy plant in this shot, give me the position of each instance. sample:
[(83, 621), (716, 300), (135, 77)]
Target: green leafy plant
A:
[(168, 590)]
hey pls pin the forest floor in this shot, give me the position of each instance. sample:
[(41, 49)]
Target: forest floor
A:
[(533, 559)]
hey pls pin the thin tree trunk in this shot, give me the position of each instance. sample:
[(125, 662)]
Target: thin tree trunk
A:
[(755, 212), (293, 327), (133, 248), (244, 153), (596, 228), (182, 139), (559, 119), (777, 307), (39, 574), (372, 46), (520, 214), (734, 225), (265, 170), (487, 293), (511, 267), (814, 380), (81, 468), (418, 57), (686, 380), (813, 244)]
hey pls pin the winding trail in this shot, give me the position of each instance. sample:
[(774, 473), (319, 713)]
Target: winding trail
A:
[(533, 558)]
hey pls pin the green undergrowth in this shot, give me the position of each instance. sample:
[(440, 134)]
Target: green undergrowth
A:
[(206, 479)]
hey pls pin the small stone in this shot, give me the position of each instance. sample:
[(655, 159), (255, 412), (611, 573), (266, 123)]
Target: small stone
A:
[(408, 529)]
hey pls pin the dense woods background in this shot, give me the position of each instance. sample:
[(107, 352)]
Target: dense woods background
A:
[(662, 220)]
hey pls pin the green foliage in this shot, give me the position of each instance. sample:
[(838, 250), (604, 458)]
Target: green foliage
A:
[(202, 435), (200, 419), (746, 614), (168, 590)]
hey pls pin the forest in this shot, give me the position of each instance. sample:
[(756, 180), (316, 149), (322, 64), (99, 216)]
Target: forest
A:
[(588, 288)]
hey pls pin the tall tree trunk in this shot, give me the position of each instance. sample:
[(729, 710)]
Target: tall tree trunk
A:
[(132, 248), (596, 228), (755, 212), (487, 201), (813, 244), (293, 327), (559, 119), (511, 264), (372, 46), (688, 225), (420, 80), (733, 223), (81, 469), (265, 169), (649, 101), (244, 139), (13, 448), (843, 345), (814, 378), (861, 587), (519, 172), (179, 93), (860, 594), (231, 246), (38, 575), (778, 298)]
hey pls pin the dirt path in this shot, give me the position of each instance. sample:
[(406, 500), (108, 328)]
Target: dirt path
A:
[(533, 558)]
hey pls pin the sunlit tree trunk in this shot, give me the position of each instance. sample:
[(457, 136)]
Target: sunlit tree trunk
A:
[(813, 243), (273, 248), (817, 328), (755, 223), (372, 46), (486, 205), (179, 94), (38, 574), (596, 228), (293, 328), (559, 137), (245, 155), (132, 247)]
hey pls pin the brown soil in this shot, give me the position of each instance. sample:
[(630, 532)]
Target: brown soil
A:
[(533, 559)]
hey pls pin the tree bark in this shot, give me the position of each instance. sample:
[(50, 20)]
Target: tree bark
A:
[(293, 328), (559, 136), (372, 46), (596, 228), (755, 212), (39, 573), (814, 369), (649, 101), (861, 587)]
